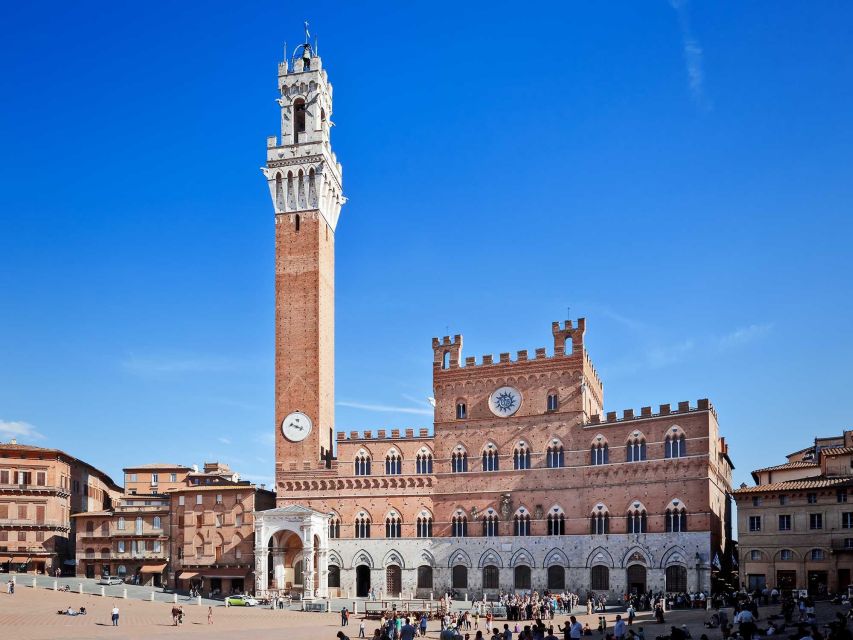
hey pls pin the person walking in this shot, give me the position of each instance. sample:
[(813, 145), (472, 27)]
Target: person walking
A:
[(115, 616), (344, 617), (619, 628), (210, 615)]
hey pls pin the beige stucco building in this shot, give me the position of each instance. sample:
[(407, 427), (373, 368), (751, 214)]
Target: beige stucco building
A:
[(795, 526), (41, 490)]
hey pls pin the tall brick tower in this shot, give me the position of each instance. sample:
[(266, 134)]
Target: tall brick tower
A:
[(304, 178)]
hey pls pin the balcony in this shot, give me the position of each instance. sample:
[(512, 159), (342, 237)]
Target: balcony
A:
[(146, 555), (842, 545), (33, 524), (134, 533), (141, 508), (33, 488)]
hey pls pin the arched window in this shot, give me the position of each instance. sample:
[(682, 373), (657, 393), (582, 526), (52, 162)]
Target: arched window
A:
[(334, 576), (362, 464), (490, 458), (599, 521), (362, 526), (521, 522), (459, 525), (635, 449), (393, 463), (490, 524), (521, 577), (491, 577), (554, 455), (334, 526), (568, 346), (599, 578), (423, 462), (553, 402), (393, 525), (424, 577), (676, 579), (298, 572), (156, 523), (424, 525), (675, 445), (459, 460), (675, 517), (298, 118), (461, 410), (556, 522), (459, 577), (637, 518), (521, 456), (445, 360), (556, 577), (599, 453)]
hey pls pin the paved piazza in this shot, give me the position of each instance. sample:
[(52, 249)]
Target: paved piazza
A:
[(31, 613)]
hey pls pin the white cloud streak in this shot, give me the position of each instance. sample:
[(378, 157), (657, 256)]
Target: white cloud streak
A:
[(19, 430), (384, 408), (176, 364), (692, 55), (745, 335)]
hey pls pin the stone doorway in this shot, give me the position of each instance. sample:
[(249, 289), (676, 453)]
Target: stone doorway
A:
[(362, 581), (393, 580), (636, 578)]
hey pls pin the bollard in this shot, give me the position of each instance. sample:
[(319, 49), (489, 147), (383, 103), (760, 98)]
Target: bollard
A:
[(152, 596), (80, 587), (56, 585), (329, 605), (431, 595), (198, 600), (124, 594), (103, 593), (175, 598), (355, 607), (34, 583)]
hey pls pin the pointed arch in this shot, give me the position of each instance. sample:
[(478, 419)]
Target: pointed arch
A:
[(600, 556), (362, 557), (674, 555), (490, 557), (636, 555), (555, 556), (335, 558), (459, 557), (522, 557), (427, 558), (393, 557)]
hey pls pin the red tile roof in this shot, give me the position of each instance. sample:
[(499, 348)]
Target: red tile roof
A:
[(797, 485), (836, 451), (798, 464)]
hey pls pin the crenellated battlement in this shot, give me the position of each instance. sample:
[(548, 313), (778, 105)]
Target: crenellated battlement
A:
[(568, 342), (385, 434), (611, 417)]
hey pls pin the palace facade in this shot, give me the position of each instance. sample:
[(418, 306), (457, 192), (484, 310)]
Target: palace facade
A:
[(524, 481)]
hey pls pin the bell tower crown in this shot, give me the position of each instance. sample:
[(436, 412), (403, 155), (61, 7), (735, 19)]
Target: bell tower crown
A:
[(302, 170)]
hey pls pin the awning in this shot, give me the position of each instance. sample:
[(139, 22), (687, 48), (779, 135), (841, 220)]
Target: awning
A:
[(21, 559), (153, 568), (232, 572)]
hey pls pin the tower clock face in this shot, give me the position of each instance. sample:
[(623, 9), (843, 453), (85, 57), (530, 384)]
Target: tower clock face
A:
[(296, 426), (505, 401)]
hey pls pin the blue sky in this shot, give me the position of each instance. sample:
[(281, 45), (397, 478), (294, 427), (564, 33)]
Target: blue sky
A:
[(678, 173)]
